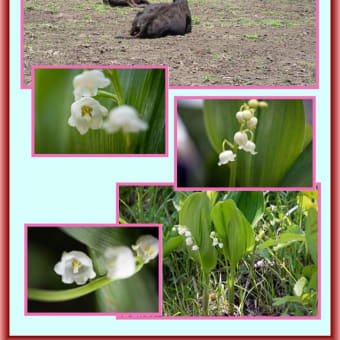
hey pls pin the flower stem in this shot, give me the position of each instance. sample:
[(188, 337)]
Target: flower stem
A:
[(231, 297), (67, 294), (233, 169), (106, 94), (205, 294)]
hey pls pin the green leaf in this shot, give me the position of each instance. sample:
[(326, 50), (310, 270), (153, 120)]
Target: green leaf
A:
[(299, 286), (300, 172), (100, 238), (284, 240), (312, 234), (279, 139), (251, 203), (285, 299), (195, 215), (144, 89), (171, 244), (234, 230)]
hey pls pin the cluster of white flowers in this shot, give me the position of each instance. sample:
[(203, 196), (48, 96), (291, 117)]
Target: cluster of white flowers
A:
[(120, 261), (87, 113), (246, 117), (215, 240), (189, 240)]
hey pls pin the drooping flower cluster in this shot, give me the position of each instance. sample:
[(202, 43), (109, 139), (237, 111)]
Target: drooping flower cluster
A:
[(215, 240), (244, 138), (189, 239), (120, 262), (87, 113)]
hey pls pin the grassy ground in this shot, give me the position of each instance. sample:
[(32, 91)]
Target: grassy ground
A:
[(263, 276)]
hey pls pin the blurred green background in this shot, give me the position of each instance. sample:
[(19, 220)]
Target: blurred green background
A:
[(144, 89), (138, 293)]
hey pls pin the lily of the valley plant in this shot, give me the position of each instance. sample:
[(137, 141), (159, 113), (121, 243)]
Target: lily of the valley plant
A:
[(243, 139), (87, 113), (121, 262)]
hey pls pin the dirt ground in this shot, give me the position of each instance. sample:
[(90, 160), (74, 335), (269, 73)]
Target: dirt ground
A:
[(233, 42)]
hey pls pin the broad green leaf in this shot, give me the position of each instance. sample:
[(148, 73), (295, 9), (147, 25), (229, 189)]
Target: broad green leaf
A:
[(143, 89), (300, 173), (299, 286), (312, 233), (285, 299), (308, 271), (195, 215), (171, 244), (251, 203), (284, 240), (313, 282), (234, 230), (279, 139), (100, 238)]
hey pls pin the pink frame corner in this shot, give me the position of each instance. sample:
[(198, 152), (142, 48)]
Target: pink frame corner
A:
[(177, 188), (318, 317), (132, 315), (166, 122)]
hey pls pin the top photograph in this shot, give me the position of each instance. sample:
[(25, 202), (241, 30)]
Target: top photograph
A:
[(217, 43)]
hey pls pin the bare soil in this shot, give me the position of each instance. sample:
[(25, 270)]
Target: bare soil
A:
[(233, 42)]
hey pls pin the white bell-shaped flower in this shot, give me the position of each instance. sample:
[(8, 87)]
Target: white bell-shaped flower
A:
[(75, 266), (189, 241), (124, 118), (215, 241), (239, 117), (253, 103), (146, 247), (249, 147), (226, 157), (119, 262), (247, 115), (195, 247), (87, 83), (252, 122), (240, 138), (87, 113)]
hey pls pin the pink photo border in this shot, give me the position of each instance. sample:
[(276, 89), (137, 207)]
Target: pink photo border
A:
[(133, 315), (318, 317), (166, 126), (177, 188), (317, 61)]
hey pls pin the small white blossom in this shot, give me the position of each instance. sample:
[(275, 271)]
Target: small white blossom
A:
[(252, 122), (187, 233), (239, 117), (87, 83), (220, 245), (174, 228), (75, 266), (212, 234), (226, 157), (181, 230), (253, 103), (240, 138), (195, 247), (263, 105), (247, 115), (249, 147), (119, 262), (189, 241), (215, 242), (87, 113), (146, 247), (125, 118)]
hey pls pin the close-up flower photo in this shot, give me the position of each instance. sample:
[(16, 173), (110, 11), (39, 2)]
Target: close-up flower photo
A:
[(245, 142), (99, 111), (103, 269), (233, 254)]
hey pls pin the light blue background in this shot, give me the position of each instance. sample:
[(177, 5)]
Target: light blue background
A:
[(58, 190)]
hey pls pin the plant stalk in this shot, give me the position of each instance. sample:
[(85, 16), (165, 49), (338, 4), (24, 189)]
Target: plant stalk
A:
[(205, 294), (231, 296)]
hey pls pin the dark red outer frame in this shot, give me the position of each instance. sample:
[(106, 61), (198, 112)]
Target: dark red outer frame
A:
[(4, 206)]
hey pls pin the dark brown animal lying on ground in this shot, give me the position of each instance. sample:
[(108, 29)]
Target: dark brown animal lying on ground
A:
[(159, 20), (131, 3)]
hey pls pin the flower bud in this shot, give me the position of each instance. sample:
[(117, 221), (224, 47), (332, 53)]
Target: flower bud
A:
[(263, 105), (253, 103)]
